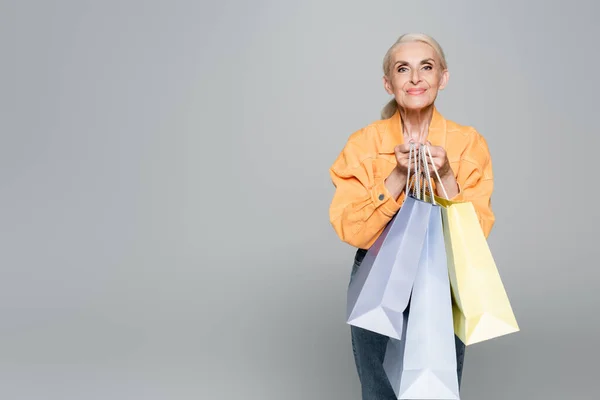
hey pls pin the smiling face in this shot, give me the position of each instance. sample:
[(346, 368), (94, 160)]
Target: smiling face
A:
[(415, 76)]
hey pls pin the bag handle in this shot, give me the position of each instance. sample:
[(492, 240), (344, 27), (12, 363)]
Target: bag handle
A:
[(413, 181), (422, 172), (411, 152), (436, 172), (421, 165), (423, 158), (420, 180)]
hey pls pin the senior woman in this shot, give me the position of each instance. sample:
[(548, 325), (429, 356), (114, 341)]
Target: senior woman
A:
[(370, 175)]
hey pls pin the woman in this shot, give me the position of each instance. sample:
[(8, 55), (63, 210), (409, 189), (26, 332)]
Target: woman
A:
[(371, 171)]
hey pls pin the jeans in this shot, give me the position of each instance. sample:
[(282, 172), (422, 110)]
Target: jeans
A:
[(369, 351)]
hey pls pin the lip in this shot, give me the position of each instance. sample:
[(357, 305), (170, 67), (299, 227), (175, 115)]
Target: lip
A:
[(415, 92)]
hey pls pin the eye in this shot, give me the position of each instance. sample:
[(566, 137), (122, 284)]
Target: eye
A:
[(402, 69), (428, 67)]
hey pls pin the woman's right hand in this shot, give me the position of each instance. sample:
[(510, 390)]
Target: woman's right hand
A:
[(402, 152)]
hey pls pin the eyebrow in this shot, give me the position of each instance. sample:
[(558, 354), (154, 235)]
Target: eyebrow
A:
[(425, 61)]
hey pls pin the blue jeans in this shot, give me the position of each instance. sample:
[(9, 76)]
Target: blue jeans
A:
[(369, 351)]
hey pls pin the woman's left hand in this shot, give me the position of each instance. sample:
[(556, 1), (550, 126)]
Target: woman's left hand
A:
[(442, 165), (440, 161)]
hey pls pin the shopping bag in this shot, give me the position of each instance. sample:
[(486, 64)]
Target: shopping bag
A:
[(481, 308), (422, 364), (380, 289)]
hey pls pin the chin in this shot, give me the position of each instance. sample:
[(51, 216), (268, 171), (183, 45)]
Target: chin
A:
[(417, 105)]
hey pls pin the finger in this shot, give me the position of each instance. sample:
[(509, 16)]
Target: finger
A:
[(435, 164), (438, 151), (404, 148), (404, 156), (432, 158), (434, 150)]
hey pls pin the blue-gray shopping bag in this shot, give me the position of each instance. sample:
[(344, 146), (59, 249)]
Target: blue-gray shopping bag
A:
[(379, 291), (421, 364)]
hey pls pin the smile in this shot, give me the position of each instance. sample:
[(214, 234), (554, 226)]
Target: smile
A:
[(415, 92)]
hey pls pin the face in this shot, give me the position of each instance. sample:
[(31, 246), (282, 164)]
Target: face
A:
[(415, 76)]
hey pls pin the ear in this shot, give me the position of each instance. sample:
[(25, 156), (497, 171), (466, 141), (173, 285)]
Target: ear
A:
[(387, 85), (444, 79)]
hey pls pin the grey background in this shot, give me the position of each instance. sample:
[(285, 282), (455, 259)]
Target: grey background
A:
[(164, 191)]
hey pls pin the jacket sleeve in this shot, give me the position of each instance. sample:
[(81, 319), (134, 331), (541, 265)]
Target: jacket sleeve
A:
[(361, 206), (476, 181)]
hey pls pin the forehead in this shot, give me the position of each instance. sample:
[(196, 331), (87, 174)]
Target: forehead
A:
[(413, 52)]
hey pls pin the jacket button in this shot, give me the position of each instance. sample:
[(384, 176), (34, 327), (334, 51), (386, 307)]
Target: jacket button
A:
[(381, 197)]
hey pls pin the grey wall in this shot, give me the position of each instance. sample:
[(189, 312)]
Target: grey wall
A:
[(165, 191)]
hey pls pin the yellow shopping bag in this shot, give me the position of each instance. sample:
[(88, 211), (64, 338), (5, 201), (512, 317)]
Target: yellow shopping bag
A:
[(481, 308)]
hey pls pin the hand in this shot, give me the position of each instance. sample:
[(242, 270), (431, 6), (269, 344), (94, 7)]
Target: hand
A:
[(402, 152), (440, 161)]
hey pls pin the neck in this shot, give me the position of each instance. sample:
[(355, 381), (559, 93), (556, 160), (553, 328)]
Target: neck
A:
[(415, 123)]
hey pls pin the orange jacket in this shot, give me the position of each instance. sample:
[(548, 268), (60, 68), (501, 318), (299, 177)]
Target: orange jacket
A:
[(362, 206)]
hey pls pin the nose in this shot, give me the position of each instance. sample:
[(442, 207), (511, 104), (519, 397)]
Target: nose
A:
[(414, 76)]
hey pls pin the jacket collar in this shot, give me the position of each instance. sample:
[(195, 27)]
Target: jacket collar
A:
[(393, 134)]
